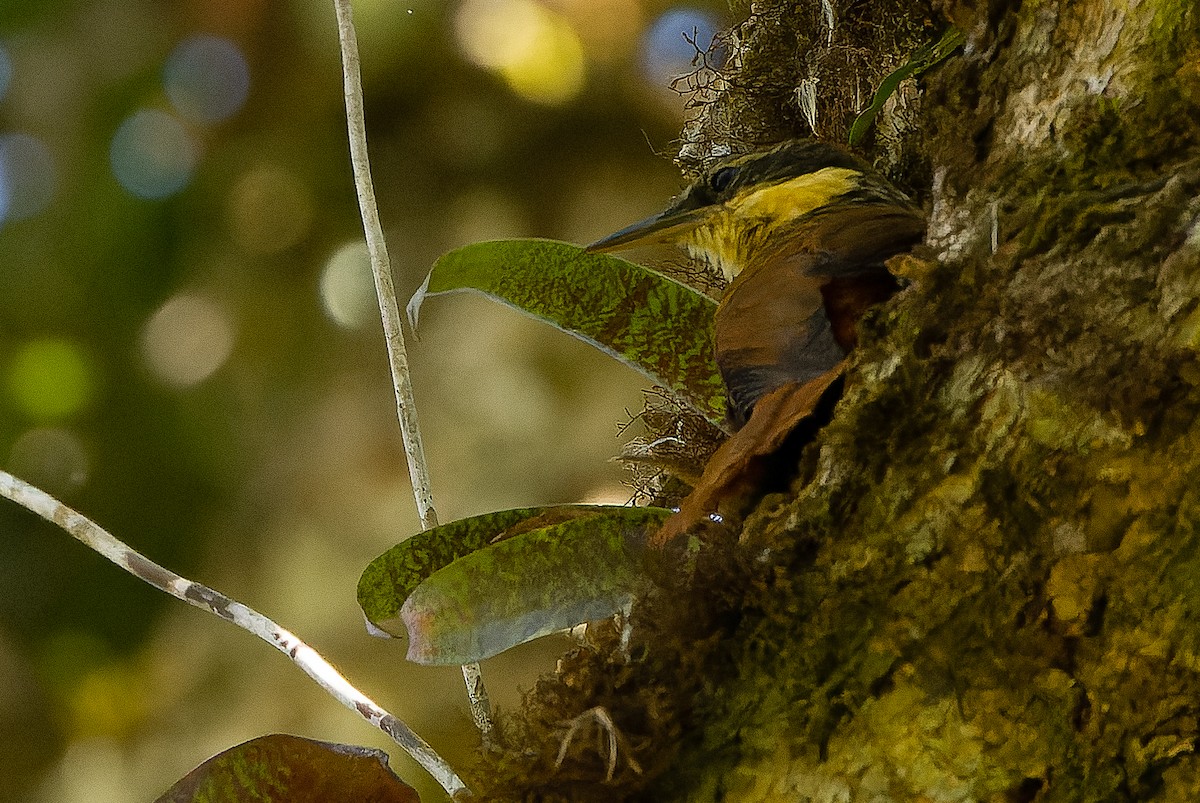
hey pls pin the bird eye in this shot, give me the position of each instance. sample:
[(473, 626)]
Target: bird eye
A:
[(721, 179)]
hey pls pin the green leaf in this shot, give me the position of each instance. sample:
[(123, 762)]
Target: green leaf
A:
[(530, 585), (925, 58), (291, 769), (391, 577), (554, 568), (657, 325)]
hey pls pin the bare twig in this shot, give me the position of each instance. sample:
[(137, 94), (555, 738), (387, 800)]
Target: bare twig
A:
[(481, 706), (389, 310), (205, 598)]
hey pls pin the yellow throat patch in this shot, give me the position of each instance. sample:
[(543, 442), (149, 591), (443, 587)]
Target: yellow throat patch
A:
[(726, 239)]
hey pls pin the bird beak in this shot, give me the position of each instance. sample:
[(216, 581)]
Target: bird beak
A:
[(664, 228)]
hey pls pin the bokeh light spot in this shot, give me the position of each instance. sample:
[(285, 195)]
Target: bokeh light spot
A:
[(107, 701), (50, 378), (152, 154), (604, 26), (666, 51), (187, 339), (270, 209), (51, 458), (536, 51), (27, 177), (347, 287), (207, 79)]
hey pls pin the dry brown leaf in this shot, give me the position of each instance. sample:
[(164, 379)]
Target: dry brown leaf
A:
[(775, 416)]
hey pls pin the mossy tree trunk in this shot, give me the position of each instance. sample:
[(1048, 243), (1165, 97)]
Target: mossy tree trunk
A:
[(986, 584)]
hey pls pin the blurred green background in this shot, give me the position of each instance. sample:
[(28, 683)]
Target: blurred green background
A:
[(190, 353)]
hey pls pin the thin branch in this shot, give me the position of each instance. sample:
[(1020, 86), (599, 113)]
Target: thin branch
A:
[(481, 704), (389, 310), (205, 598)]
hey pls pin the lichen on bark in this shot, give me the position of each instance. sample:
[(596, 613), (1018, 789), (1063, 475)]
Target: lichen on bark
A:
[(985, 583)]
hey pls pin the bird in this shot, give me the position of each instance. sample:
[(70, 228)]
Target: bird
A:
[(800, 231)]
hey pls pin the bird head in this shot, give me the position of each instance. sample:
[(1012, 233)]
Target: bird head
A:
[(762, 201)]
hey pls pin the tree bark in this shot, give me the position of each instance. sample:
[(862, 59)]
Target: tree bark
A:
[(986, 583)]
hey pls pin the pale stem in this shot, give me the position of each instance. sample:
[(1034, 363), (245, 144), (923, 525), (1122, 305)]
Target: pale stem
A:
[(205, 598), (389, 309), (381, 267)]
